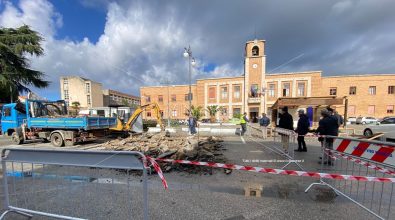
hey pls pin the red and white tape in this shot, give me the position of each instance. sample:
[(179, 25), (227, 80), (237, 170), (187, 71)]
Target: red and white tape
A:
[(364, 163), (282, 172), (158, 170)]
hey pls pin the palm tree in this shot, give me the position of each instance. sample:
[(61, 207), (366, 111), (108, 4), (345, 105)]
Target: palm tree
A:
[(212, 111), (196, 112), (76, 107), (15, 74)]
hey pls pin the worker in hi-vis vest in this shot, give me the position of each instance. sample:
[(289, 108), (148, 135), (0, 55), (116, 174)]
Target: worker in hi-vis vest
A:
[(243, 123)]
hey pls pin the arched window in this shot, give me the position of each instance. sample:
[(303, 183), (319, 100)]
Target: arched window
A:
[(255, 51)]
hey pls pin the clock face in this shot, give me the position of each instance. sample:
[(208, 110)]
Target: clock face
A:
[(254, 66)]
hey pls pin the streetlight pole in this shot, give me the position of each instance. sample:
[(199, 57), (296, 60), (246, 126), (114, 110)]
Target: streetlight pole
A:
[(191, 61)]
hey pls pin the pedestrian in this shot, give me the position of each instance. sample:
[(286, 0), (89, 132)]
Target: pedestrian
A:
[(264, 122), (302, 129), (328, 125), (243, 123), (286, 122), (339, 118), (192, 123)]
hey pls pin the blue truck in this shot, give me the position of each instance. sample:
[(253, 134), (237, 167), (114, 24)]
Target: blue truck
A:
[(50, 121)]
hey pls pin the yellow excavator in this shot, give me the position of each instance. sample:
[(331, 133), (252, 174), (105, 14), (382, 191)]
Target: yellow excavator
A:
[(126, 127)]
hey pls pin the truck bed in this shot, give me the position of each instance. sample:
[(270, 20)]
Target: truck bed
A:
[(86, 123)]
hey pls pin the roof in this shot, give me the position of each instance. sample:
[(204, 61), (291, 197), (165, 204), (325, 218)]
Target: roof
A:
[(292, 73), (360, 75), (308, 101)]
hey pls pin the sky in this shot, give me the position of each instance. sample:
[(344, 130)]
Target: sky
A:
[(126, 44)]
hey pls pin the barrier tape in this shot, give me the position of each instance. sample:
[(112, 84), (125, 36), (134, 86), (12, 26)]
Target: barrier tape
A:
[(364, 163), (158, 170), (282, 172)]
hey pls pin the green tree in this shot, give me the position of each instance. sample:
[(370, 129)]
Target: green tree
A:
[(76, 107), (197, 112), (212, 111), (15, 73)]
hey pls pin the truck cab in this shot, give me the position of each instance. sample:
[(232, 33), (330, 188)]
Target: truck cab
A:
[(11, 119)]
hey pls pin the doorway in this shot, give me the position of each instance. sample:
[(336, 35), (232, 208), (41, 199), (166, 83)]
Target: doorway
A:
[(254, 115)]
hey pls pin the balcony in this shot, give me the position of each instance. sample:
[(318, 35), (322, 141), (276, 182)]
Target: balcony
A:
[(254, 100)]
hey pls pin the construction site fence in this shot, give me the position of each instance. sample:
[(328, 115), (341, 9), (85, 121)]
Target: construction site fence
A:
[(86, 184), (360, 160)]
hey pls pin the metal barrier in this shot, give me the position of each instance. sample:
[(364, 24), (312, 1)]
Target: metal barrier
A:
[(87, 184), (289, 136), (358, 158)]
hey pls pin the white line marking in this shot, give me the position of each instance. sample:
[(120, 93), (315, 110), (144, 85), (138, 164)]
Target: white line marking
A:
[(242, 139), (256, 151)]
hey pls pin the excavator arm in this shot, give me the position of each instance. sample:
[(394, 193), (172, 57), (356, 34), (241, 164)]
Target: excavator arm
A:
[(129, 124)]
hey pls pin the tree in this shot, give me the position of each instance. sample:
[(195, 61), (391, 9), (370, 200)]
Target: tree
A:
[(15, 74), (196, 112), (212, 111), (76, 107)]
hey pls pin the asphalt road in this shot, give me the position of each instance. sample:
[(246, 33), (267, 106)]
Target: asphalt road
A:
[(204, 195)]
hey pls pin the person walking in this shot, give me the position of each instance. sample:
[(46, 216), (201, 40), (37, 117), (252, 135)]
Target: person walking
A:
[(264, 122), (286, 122), (302, 129), (328, 125), (243, 123), (192, 123)]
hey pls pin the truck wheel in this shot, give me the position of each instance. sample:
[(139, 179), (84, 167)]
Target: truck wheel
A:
[(57, 140), (16, 139)]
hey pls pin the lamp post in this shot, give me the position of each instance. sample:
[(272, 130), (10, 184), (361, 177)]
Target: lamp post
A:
[(191, 61)]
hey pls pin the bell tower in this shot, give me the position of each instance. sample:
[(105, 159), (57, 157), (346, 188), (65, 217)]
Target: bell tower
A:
[(255, 69)]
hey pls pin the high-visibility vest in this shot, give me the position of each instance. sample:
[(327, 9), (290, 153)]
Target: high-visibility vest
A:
[(242, 121)]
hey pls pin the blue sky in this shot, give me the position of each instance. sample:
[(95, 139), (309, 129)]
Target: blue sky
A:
[(125, 44)]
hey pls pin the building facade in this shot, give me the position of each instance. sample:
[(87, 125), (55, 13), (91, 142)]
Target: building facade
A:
[(90, 94), (256, 91)]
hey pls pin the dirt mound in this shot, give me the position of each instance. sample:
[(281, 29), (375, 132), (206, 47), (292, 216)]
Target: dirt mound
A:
[(179, 148)]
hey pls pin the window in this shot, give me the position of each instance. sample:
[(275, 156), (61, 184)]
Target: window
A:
[(88, 99), (65, 83), (174, 113), (160, 98), (272, 90), (371, 109), (7, 112), (186, 97), (351, 109), (353, 90), (391, 89), (301, 89), (255, 51), (254, 90), (286, 89), (66, 94), (211, 93), (161, 113), (173, 98), (390, 109), (372, 90), (388, 121), (236, 93), (148, 113), (87, 87), (236, 111), (224, 92), (148, 98), (333, 91)]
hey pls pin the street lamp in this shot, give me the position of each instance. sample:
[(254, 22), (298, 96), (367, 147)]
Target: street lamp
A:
[(191, 61)]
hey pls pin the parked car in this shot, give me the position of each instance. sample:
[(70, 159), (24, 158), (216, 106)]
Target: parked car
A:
[(351, 120), (366, 120), (386, 126)]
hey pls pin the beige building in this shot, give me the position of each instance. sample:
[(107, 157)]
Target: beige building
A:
[(256, 91), (85, 91), (90, 94)]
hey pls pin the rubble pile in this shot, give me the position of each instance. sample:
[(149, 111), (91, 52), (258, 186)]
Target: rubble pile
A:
[(178, 148)]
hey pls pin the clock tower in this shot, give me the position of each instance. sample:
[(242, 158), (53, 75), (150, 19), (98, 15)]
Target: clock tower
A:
[(255, 69)]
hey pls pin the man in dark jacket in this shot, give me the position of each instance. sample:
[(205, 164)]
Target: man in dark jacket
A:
[(264, 122), (328, 125), (302, 129), (286, 122)]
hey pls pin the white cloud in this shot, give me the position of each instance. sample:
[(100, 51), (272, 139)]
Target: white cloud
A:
[(135, 49)]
